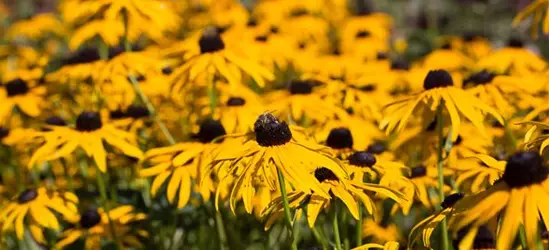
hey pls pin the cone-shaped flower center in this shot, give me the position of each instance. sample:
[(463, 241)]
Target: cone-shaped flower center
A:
[(340, 138), (451, 200), (27, 196), (236, 101), (274, 30), (90, 218), (323, 174), (261, 39), (458, 141), (210, 41), (362, 159), (437, 79), (16, 87), (269, 131), (209, 130), (362, 34), (167, 70), (252, 22), (4, 132), (137, 112), (117, 114), (377, 148), (480, 78), (471, 36), (515, 42), (400, 64), (418, 171), (524, 169), (382, 56), (299, 87), (56, 121), (88, 121)]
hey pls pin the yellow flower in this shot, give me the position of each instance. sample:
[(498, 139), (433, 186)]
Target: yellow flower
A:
[(207, 54), (184, 163), (93, 226), (37, 205), (88, 134), (439, 90), (475, 175), (521, 196), (27, 96), (348, 191), (273, 146), (380, 233), (541, 140), (391, 245), (352, 133), (513, 59)]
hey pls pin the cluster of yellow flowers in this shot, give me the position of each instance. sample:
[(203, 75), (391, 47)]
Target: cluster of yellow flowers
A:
[(124, 122)]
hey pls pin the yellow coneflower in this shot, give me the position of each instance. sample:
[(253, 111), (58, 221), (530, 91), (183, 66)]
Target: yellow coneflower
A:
[(536, 9), (391, 245), (272, 148), (380, 232), (521, 197), (348, 191), (541, 140), (439, 90), (513, 58), (183, 163), (37, 27), (93, 226), (357, 132), (27, 96), (209, 54), (89, 133), (36, 206), (475, 175)]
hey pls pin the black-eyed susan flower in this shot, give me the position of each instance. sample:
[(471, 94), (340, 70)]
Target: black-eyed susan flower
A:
[(391, 245), (439, 90), (533, 138), (36, 207), (36, 28), (208, 53), (92, 225), (273, 147), (360, 132), (475, 175), (27, 96), (348, 191), (513, 58), (89, 133), (424, 178), (520, 197), (425, 228), (184, 163), (380, 231)]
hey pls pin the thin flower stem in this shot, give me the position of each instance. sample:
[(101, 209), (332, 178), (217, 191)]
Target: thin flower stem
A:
[(511, 136), (212, 94), (152, 110), (220, 230), (522, 237), (359, 226), (287, 213), (440, 159), (345, 230), (103, 192), (67, 174), (320, 238), (335, 226)]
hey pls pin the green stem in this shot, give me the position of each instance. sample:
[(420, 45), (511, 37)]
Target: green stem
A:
[(151, 110), (287, 213), (345, 230), (440, 159), (335, 226), (359, 226), (511, 136), (106, 205), (320, 238), (522, 237), (67, 174), (103, 50), (212, 94), (220, 230)]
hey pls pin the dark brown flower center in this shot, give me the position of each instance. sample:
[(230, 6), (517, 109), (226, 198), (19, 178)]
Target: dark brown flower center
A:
[(167, 70), (137, 112), (274, 30), (382, 56), (236, 101), (90, 218), (362, 159), (27, 196), (437, 79), (88, 121), (302, 87), (323, 174), (16, 87), (418, 171), (378, 147), (261, 39), (524, 169), (362, 34), (55, 121), (340, 138), (211, 41), (451, 200), (117, 114), (252, 22), (209, 130), (4, 132), (479, 78), (269, 131), (515, 42)]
